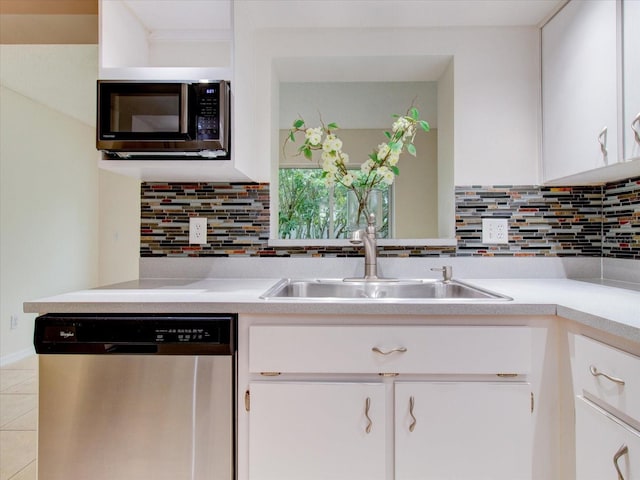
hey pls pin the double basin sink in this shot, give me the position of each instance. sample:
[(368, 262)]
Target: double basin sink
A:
[(396, 290)]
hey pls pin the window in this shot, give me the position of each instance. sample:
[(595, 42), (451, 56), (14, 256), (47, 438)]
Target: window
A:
[(309, 209)]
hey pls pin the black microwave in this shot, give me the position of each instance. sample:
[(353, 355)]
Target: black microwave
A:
[(163, 120)]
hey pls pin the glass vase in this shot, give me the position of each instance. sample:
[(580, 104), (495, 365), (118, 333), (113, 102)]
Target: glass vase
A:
[(360, 206)]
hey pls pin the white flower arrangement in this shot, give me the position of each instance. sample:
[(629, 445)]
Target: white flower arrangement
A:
[(380, 167)]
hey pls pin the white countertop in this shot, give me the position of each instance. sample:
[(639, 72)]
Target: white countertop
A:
[(610, 309)]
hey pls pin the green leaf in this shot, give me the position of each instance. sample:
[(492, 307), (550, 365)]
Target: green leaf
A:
[(373, 156), (292, 137), (298, 123), (414, 113), (307, 153), (333, 126), (395, 170), (396, 146), (411, 149), (424, 125), (388, 135)]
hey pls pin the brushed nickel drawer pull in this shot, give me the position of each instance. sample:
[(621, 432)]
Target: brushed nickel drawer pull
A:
[(594, 371), (367, 406), (623, 450), (414, 420), (389, 352)]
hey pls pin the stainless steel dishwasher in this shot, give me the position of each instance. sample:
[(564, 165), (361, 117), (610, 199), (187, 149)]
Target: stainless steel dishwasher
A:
[(136, 397)]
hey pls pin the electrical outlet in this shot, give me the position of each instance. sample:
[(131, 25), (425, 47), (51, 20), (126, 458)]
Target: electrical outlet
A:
[(495, 230), (198, 230), (14, 322)]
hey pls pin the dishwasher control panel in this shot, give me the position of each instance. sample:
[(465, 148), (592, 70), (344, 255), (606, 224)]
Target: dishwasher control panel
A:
[(139, 333)]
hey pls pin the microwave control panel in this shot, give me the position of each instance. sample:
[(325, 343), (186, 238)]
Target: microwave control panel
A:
[(208, 108)]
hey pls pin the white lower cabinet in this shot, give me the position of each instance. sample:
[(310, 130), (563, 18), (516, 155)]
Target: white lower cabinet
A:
[(317, 431), (606, 382), (462, 431), (403, 402), (441, 430), (606, 448)]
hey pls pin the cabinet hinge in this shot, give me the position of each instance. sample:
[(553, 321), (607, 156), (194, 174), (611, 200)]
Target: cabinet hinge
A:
[(532, 402), (247, 400)]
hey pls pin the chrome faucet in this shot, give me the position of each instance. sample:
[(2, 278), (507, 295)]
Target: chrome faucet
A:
[(367, 237)]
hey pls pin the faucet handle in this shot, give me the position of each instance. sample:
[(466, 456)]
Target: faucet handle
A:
[(447, 272)]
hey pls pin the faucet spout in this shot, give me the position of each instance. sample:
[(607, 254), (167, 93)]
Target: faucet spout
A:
[(367, 237)]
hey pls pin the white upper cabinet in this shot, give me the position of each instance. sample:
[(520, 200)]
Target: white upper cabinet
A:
[(590, 98), (173, 40), (580, 89), (631, 63), (167, 40)]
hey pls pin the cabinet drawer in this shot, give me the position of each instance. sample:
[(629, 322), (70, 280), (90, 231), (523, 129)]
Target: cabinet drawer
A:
[(390, 349), (604, 442), (592, 361)]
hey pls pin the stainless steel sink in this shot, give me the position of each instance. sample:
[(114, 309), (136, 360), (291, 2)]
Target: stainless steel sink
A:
[(336, 289)]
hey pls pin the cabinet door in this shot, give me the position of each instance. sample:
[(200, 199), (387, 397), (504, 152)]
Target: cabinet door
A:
[(600, 438), (463, 431), (317, 431), (579, 88), (631, 46)]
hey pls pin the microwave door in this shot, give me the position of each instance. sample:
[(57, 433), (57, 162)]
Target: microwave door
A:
[(144, 112)]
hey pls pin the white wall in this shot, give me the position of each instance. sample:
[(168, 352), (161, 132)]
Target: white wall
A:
[(49, 208), (446, 155), (119, 227), (496, 85), (53, 198)]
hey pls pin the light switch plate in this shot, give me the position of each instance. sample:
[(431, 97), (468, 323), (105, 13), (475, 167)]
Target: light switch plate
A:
[(495, 230), (198, 230)]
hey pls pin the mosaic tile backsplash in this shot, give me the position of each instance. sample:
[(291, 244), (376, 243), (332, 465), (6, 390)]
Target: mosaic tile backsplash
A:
[(621, 226), (237, 224), (543, 221)]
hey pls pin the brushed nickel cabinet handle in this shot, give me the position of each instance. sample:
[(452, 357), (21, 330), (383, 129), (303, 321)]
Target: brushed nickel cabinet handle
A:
[(594, 371), (367, 406), (634, 126), (413, 418), (623, 450), (389, 352), (602, 140)]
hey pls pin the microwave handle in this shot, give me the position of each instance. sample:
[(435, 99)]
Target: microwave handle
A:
[(184, 109)]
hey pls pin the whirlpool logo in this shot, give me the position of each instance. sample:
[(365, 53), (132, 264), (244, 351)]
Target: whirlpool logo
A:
[(67, 334)]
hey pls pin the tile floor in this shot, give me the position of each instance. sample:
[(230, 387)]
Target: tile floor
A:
[(18, 419)]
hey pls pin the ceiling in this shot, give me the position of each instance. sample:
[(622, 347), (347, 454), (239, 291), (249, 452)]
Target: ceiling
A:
[(76, 21), (400, 13)]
